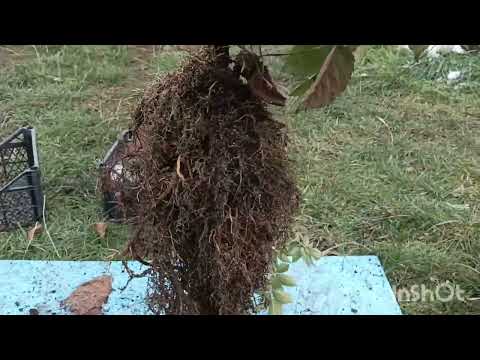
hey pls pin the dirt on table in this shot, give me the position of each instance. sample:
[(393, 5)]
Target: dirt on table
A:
[(214, 191)]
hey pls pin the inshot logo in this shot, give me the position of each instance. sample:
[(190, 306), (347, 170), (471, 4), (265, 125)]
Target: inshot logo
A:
[(444, 292)]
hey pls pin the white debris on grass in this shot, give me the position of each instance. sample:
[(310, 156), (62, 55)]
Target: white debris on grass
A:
[(437, 50), (434, 51), (454, 75)]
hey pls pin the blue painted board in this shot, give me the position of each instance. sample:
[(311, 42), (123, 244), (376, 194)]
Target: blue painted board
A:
[(342, 285), (351, 285)]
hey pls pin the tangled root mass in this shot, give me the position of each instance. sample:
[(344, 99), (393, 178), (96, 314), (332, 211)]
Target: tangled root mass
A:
[(213, 194)]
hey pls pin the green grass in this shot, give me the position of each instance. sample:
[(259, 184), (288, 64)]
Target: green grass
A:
[(79, 98), (391, 169)]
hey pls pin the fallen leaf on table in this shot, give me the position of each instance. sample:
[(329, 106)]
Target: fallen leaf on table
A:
[(89, 298)]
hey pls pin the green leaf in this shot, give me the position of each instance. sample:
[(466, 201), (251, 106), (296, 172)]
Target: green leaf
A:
[(296, 254), (284, 258), (293, 244), (315, 253), (276, 282), (303, 87), (282, 297), (282, 267), (418, 50), (286, 280), (275, 308), (308, 260), (332, 79), (304, 61)]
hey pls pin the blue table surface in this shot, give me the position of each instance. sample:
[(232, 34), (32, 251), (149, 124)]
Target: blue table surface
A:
[(334, 285)]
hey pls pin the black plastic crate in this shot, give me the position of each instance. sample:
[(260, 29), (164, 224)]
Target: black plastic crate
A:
[(21, 198), (114, 182)]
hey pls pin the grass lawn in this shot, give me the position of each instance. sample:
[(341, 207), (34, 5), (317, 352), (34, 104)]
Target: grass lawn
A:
[(391, 169)]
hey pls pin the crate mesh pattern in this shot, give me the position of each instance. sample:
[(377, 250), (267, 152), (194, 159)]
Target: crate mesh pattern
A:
[(21, 200), (13, 162)]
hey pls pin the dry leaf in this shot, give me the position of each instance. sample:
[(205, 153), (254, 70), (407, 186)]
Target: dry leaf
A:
[(258, 77), (333, 78), (89, 298), (263, 86), (101, 229), (35, 231)]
